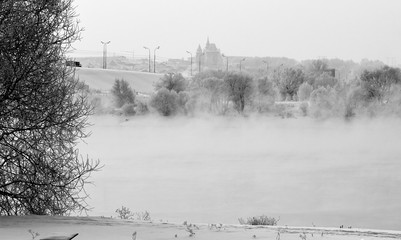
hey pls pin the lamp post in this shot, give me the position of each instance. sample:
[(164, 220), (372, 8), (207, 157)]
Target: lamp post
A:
[(154, 59), (240, 61), (149, 56), (105, 53), (226, 61), (191, 60)]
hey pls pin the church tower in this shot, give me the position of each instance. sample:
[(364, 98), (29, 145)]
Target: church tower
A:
[(210, 57), (199, 56)]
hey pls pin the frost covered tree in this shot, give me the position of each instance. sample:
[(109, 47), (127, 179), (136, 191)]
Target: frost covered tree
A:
[(43, 112), (122, 93), (165, 102), (239, 89), (288, 81), (172, 81), (378, 83)]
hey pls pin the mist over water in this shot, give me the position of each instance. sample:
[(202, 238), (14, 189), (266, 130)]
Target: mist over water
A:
[(215, 170)]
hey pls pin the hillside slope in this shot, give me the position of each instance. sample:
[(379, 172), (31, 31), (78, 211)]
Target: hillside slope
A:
[(103, 79)]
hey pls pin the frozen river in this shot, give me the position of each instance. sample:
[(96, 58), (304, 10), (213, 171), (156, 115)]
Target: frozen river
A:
[(217, 170)]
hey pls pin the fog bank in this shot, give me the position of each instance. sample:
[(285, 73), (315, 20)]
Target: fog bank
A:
[(218, 169)]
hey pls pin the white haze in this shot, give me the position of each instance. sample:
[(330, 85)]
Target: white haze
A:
[(215, 170), (307, 29)]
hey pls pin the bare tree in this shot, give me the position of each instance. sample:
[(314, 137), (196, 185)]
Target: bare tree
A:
[(239, 88), (42, 111), (288, 81), (165, 102), (172, 81), (264, 94), (215, 90), (377, 83)]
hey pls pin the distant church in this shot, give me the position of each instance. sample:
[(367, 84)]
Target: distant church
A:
[(210, 57)]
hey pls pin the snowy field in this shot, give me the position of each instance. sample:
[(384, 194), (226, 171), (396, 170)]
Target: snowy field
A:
[(103, 79), (16, 228), (215, 170)]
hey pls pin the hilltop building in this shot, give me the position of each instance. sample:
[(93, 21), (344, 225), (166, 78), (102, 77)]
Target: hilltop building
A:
[(209, 57)]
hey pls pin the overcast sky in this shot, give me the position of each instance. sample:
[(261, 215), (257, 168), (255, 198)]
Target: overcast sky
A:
[(300, 29)]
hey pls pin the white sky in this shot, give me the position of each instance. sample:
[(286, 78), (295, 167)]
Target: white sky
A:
[(300, 29)]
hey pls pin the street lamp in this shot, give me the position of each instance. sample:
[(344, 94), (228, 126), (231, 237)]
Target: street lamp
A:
[(226, 61), (105, 53), (149, 56), (191, 60), (154, 59), (240, 61)]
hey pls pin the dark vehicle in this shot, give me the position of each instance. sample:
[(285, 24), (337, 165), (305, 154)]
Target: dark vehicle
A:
[(73, 64)]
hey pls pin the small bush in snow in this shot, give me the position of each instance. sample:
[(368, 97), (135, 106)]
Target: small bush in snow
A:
[(259, 220)]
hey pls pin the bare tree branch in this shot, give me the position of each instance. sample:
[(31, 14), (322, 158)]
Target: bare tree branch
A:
[(43, 113)]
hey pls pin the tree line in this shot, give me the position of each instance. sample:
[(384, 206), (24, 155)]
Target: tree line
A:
[(315, 90)]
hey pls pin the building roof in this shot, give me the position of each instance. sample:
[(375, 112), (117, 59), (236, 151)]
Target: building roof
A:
[(211, 48)]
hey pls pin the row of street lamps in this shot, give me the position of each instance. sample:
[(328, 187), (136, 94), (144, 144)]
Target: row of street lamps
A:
[(105, 56), (154, 58)]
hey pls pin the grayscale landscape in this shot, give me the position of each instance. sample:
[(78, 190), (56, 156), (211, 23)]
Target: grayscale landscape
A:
[(227, 120)]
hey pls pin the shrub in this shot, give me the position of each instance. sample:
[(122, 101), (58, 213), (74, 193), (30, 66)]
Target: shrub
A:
[(96, 103), (325, 80), (304, 108), (190, 228), (124, 213), (389, 105), (321, 103), (198, 80), (377, 83), (393, 101), (82, 86), (355, 101), (288, 81), (283, 111), (260, 220), (173, 82), (128, 109), (265, 95), (33, 234), (213, 94), (239, 89), (101, 103), (143, 216), (122, 92), (141, 107), (326, 102), (165, 102), (182, 100), (304, 91)]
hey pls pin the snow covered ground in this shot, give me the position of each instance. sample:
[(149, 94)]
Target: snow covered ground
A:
[(17, 228), (103, 79)]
